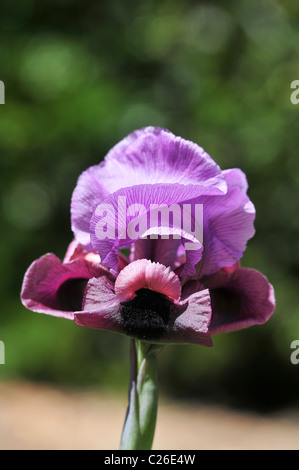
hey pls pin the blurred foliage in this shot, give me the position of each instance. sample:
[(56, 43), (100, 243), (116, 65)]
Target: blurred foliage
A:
[(79, 76)]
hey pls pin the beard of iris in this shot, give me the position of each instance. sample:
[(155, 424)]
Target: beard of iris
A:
[(146, 316)]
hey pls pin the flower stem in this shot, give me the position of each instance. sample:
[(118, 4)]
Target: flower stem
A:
[(140, 423)]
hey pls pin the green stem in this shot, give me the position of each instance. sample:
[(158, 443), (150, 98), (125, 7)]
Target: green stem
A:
[(140, 423)]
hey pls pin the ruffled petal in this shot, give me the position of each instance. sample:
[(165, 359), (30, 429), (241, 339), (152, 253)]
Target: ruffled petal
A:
[(101, 307), (188, 323), (239, 299), (191, 319), (147, 156), (236, 177), (143, 274), (88, 193), (155, 155), (56, 288)]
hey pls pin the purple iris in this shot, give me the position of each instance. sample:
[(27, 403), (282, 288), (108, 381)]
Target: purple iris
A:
[(158, 291)]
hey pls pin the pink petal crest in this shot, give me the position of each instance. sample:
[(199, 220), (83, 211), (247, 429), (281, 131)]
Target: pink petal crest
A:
[(143, 274)]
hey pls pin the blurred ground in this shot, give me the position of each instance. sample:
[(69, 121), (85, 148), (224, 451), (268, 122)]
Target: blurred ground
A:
[(42, 417)]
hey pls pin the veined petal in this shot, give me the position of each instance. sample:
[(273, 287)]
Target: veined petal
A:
[(228, 224), (155, 155), (164, 251), (147, 156), (168, 251), (148, 201), (53, 287)]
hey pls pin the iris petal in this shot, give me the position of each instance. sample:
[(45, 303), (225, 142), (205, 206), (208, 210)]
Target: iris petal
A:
[(144, 274), (43, 286), (146, 196), (239, 299), (228, 224), (101, 307), (147, 156)]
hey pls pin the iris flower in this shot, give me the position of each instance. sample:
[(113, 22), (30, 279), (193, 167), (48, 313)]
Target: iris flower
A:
[(149, 286)]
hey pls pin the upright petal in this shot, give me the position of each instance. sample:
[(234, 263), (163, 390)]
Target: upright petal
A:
[(147, 156), (236, 177), (169, 251), (164, 251), (145, 196), (228, 224), (154, 155)]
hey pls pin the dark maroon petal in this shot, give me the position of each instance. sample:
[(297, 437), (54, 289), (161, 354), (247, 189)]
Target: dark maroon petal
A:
[(190, 288), (190, 320), (52, 287), (239, 300), (101, 307)]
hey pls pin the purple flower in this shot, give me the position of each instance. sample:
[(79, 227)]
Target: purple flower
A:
[(161, 292)]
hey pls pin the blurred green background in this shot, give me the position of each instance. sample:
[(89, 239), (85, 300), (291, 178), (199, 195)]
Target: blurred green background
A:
[(79, 76)]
